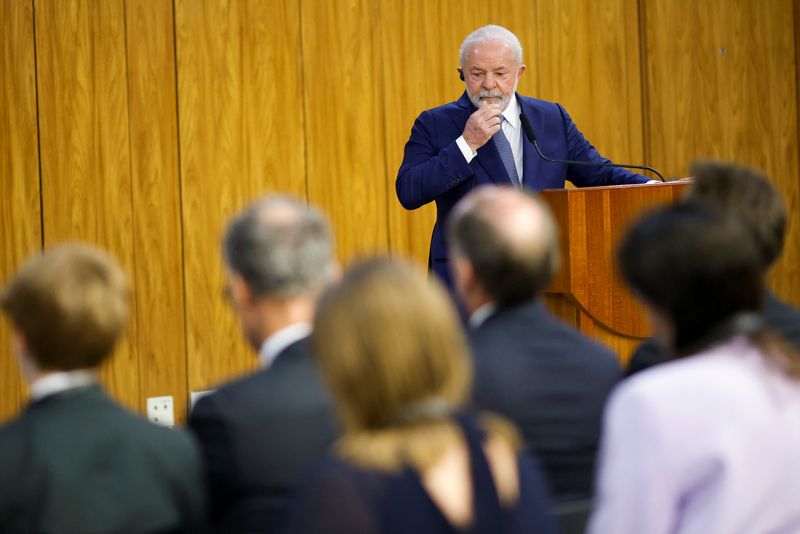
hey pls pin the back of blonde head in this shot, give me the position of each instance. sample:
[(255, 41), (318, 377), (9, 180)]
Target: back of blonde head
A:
[(389, 341)]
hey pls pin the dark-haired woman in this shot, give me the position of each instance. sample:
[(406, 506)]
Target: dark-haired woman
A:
[(710, 441)]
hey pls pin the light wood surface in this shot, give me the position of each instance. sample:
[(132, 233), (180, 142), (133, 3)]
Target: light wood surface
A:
[(85, 156), (156, 200), (344, 121), (20, 215), (241, 135), (158, 119), (589, 61), (721, 83)]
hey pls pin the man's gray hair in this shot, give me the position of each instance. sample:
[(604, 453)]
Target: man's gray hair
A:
[(491, 33), (280, 246)]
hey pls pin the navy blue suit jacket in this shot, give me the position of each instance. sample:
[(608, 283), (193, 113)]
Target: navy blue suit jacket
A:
[(434, 169), (552, 383), (259, 435)]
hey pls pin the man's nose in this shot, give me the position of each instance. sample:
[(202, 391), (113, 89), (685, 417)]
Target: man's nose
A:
[(489, 82)]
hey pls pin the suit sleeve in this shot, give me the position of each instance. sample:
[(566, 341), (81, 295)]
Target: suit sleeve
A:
[(580, 149), (429, 169), (214, 435)]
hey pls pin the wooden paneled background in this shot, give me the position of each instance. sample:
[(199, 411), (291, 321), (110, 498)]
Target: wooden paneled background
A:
[(142, 125)]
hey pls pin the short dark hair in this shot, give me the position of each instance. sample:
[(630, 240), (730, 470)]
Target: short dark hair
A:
[(512, 264), (71, 304), (280, 246), (746, 195), (694, 264)]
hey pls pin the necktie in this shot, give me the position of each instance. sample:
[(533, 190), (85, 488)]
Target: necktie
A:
[(504, 148)]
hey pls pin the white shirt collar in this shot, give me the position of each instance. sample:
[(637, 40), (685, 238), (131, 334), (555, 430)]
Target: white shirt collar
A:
[(511, 113), (277, 342), (60, 381), (480, 315)]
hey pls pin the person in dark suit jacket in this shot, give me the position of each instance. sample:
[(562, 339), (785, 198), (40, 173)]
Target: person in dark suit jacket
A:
[(260, 434), (750, 198), (449, 151), (75, 461), (529, 366)]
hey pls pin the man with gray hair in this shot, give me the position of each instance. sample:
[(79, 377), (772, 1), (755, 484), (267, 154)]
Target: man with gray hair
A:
[(261, 433), (537, 371), (449, 151)]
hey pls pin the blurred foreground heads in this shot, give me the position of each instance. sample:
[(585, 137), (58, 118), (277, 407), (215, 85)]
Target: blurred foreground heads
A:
[(261, 433), (709, 441), (748, 197), (75, 461), (390, 346), (541, 373)]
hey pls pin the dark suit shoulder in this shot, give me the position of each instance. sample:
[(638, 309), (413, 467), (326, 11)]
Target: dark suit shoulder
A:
[(782, 318), (538, 104), (292, 375), (531, 325)]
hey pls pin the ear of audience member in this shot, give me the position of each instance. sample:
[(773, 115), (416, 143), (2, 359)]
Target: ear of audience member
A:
[(686, 445), (70, 457), (541, 373), (750, 199), (391, 349), (261, 433)]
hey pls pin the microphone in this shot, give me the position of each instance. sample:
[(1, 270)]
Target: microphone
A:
[(528, 129)]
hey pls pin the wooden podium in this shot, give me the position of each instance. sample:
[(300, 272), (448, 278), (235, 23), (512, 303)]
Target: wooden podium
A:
[(587, 291)]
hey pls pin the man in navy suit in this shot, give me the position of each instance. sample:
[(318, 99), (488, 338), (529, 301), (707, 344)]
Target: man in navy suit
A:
[(537, 371), (260, 434), (479, 140)]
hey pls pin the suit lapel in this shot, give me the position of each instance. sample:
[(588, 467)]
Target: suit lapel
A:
[(488, 157), (530, 159)]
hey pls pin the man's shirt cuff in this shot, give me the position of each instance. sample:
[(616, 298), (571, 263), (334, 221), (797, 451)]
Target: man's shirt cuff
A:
[(465, 149)]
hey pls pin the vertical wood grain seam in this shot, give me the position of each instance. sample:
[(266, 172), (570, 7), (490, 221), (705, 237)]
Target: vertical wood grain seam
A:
[(303, 96), (796, 16), (38, 123), (382, 93), (135, 317), (643, 81), (182, 244)]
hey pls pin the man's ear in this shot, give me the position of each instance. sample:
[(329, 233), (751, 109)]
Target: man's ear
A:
[(460, 73), (20, 347), (240, 292), (521, 71), (463, 274), (19, 343)]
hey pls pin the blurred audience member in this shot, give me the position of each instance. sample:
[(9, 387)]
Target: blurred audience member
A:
[(749, 197), (529, 366), (261, 433), (75, 461), (390, 346), (707, 442)]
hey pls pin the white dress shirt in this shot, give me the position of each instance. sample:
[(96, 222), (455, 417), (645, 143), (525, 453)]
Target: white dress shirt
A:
[(512, 129), (60, 381), (708, 444), (277, 342)]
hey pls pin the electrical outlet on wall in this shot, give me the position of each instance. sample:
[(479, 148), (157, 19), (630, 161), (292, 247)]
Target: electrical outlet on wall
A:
[(160, 410)]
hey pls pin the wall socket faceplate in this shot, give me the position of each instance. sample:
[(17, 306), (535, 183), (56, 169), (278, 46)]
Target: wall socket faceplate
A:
[(161, 411)]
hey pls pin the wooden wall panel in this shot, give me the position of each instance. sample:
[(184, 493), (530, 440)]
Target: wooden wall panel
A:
[(721, 83), (241, 135), (20, 215), (345, 128), (156, 201), (85, 158), (589, 61)]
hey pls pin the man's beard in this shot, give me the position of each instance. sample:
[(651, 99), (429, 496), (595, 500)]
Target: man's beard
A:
[(502, 99)]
